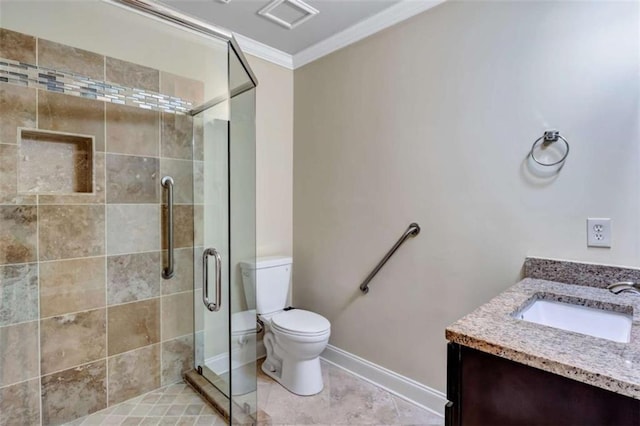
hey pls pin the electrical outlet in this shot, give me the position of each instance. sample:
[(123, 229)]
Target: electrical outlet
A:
[(598, 232)]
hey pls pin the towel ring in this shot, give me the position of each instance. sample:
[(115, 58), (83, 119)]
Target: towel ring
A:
[(549, 137)]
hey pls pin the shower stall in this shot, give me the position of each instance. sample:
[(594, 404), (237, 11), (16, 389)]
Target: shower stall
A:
[(127, 202)]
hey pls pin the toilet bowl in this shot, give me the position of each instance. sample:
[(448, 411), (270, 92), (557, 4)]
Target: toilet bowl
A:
[(242, 355), (294, 338), (243, 351)]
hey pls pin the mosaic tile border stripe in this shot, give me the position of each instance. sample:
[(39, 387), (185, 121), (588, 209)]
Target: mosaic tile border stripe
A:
[(27, 75)]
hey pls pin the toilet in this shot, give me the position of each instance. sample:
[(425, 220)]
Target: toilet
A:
[(294, 338), (243, 350)]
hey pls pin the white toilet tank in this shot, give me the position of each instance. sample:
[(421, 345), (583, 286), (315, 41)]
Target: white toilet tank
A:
[(270, 277)]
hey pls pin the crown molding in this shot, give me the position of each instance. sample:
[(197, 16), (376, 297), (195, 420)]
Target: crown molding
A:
[(262, 51), (378, 22), (399, 12)]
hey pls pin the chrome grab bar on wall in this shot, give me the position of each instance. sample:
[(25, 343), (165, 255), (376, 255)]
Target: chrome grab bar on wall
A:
[(212, 306), (412, 231), (167, 183)]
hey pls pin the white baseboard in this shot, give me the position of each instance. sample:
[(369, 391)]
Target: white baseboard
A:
[(401, 386)]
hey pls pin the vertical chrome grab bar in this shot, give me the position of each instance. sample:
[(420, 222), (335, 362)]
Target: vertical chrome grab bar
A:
[(212, 306), (167, 183), (412, 231)]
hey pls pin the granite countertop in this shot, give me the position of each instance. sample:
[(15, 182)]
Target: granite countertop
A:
[(599, 362)]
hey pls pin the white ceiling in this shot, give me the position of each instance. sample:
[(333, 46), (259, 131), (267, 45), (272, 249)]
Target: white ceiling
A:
[(241, 16)]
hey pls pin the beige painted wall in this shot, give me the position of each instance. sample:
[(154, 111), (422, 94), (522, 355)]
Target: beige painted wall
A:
[(430, 121), (274, 153)]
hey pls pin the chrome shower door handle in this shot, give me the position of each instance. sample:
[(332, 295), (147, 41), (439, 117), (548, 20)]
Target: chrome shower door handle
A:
[(212, 306), (167, 183)]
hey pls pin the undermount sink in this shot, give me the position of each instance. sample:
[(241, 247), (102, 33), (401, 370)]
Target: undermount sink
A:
[(609, 325)]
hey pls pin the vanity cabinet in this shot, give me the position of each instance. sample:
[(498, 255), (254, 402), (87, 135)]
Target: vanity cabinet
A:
[(484, 389)]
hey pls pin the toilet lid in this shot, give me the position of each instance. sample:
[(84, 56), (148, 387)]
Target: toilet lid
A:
[(242, 322), (300, 321)]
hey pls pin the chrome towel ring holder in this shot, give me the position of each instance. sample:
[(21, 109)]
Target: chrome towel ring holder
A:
[(549, 137)]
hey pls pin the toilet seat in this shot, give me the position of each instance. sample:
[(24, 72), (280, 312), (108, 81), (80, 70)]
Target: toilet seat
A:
[(298, 322)]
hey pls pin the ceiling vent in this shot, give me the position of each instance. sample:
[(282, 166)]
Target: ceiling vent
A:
[(288, 13)]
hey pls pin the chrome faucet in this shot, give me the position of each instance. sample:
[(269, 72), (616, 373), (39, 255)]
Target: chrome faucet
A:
[(619, 287)]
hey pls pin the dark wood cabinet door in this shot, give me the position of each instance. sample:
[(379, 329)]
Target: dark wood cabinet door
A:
[(494, 391)]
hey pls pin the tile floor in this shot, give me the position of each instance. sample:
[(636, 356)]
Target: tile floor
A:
[(345, 400), (172, 405)]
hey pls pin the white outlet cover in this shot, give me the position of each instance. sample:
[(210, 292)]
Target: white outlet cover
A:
[(598, 232)]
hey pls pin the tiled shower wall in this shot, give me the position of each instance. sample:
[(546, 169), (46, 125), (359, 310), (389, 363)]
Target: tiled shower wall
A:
[(86, 321)]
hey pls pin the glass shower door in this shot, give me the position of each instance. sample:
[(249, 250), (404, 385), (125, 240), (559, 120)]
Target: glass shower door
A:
[(225, 238), (211, 254)]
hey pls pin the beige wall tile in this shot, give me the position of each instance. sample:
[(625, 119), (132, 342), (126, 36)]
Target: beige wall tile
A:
[(198, 182), (19, 353), (64, 113), (18, 293), (133, 325), (71, 286), (74, 393), (17, 109), (182, 223), (177, 358), (9, 177), (176, 137), (132, 130), (69, 231), (198, 140), (177, 315), (17, 46), (197, 266), (182, 173), (182, 87), (132, 179), (18, 226), (198, 225), (72, 339), (66, 58), (132, 277), (183, 271), (134, 373), (132, 228), (20, 404), (8, 173), (98, 196), (132, 75)]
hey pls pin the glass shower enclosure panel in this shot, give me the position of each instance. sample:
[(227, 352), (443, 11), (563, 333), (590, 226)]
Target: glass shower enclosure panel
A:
[(242, 205), (92, 121), (224, 216)]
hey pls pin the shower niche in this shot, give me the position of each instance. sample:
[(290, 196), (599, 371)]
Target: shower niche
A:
[(54, 162)]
